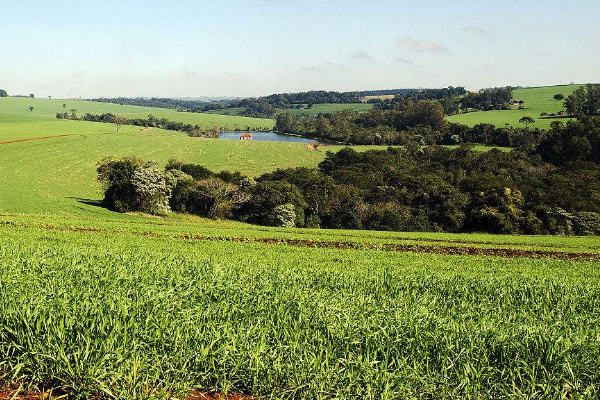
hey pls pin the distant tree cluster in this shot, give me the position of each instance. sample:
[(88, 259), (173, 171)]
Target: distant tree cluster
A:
[(286, 100), (3, 93), (488, 99), (549, 188)]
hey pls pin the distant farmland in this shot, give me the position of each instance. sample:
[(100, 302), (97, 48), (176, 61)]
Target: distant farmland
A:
[(327, 108), (13, 109), (380, 97), (537, 100)]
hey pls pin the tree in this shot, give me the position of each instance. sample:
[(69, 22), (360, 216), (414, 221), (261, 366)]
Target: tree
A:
[(559, 97), (31, 108), (284, 216), (151, 190), (527, 121), (584, 101), (268, 195), (3, 93), (64, 105), (32, 95), (119, 121), (115, 176)]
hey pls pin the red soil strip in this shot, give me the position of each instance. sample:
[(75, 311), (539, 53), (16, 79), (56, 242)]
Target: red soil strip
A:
[(392, 247), (432, 240), (217, 396), (13, 393), (39, 138)]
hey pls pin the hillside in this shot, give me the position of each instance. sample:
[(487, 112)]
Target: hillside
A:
[(537, 100), (16, 109)]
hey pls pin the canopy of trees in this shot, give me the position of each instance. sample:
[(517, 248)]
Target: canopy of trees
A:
[(3, 93), (488, 99)]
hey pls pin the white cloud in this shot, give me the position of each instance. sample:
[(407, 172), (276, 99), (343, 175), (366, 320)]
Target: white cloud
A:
[(424, 46)]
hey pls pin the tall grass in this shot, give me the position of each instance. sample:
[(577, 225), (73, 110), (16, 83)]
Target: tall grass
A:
[(122, 317)]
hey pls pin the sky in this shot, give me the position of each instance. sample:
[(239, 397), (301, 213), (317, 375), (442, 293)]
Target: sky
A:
[(194, 48)]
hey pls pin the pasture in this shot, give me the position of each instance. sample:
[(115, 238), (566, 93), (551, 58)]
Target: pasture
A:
[(58, 174), (537, 100), (313, 111), (326, 109), (16, 109)]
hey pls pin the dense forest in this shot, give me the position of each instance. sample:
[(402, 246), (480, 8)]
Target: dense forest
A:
[(549, 186)]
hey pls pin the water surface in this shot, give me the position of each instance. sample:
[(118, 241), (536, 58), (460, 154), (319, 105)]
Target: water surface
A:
[(266, 137)]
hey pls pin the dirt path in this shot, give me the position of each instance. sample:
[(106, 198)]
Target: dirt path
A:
[(40, 138), (392, 247)]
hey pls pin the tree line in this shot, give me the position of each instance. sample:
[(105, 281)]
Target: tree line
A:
[(551, 188), (150, 122)]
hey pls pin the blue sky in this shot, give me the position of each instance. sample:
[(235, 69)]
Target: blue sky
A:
[(254, 47)]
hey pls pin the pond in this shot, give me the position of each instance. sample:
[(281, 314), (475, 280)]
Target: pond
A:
[(266, 137)]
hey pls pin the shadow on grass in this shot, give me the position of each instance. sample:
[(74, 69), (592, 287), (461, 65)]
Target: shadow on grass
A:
[(89, 202), (96, 205)]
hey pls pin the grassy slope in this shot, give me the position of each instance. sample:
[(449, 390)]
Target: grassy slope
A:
[(316, 109), (327, 108), (537, 100), (44, 175), (50, 175), (16, 110)]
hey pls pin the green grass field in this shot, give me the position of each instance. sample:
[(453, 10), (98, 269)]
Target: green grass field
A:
[(14, 109), (327, 108), (99, 304), (314, 110), (50, 175), (537, 100)]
